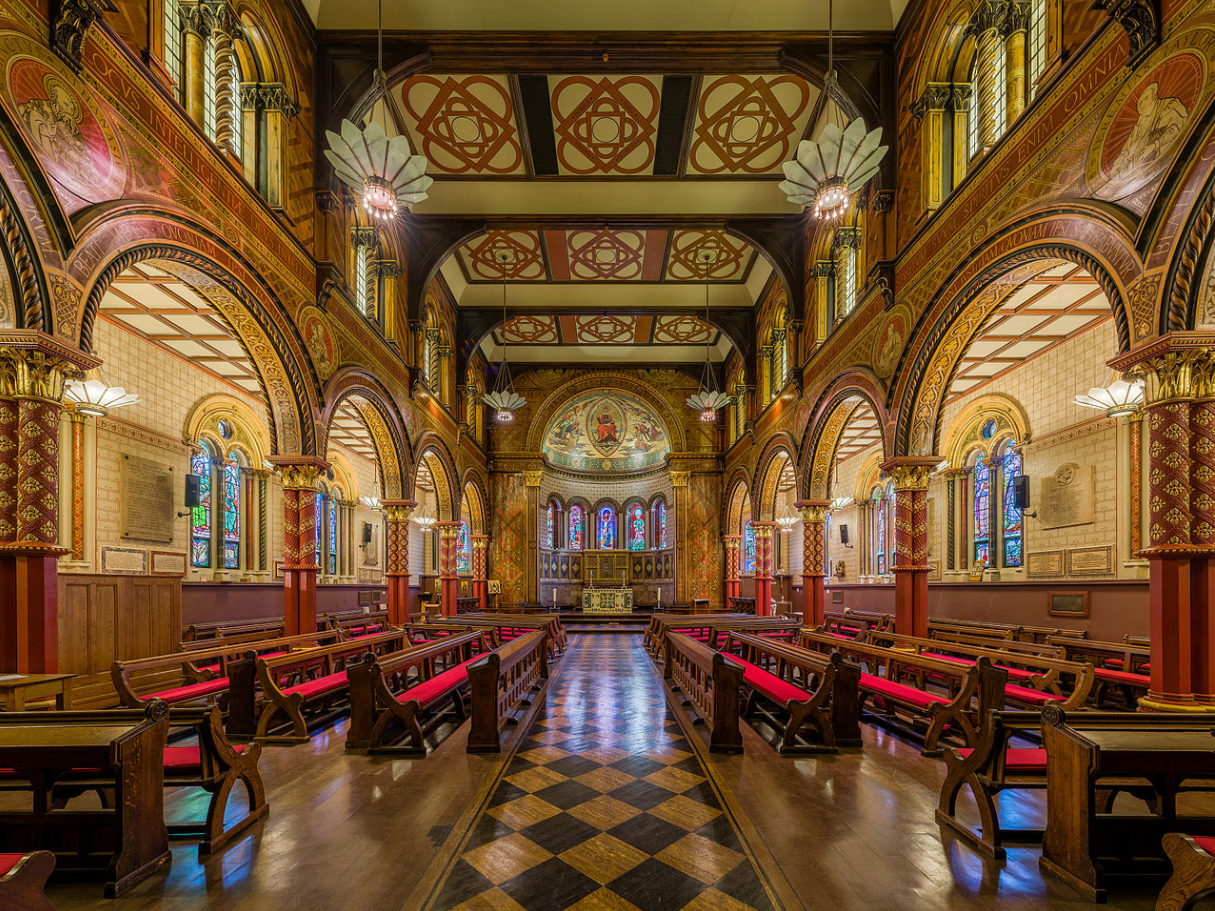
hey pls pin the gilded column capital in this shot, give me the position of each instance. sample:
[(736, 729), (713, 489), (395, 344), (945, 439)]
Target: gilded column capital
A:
[(299, 472), (533, 476), (911, 472), (397, 512), (813, 510), (679, 479), (36, 365), (1173, 367)]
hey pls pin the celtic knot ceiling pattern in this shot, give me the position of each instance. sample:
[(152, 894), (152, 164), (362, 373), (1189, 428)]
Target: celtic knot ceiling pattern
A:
[(727, 257), (605, 125), (605, 255), (517, 251), (748, 124), (463, 124), (687, 332)]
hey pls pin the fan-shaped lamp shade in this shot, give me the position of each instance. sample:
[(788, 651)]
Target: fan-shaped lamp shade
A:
[(383, 172), (826, 171), (96, 398), (1118, 398)]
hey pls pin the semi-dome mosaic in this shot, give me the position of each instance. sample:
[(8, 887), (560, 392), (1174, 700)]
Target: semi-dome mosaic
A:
[(605, 431)]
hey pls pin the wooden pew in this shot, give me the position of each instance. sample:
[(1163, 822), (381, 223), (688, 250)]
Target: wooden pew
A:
[(1118, 664), (855, 624), (825, 698), (947, 629), (383, 699), (263, 628), (364, 625), (501, 683), (468, 605), (322, 692), (511, 626), (1038, 679), (780, 628), (23, 881), (656, 631), (1193, 871), (908, 707), (211, 763), (740, 605), (710, 681)]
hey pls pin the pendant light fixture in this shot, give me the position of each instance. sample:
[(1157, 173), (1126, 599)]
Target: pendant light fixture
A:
[(503, 399), (96, 397), (1116, 399), (710, 398), (383, 172), (827, 171), (837, 501)]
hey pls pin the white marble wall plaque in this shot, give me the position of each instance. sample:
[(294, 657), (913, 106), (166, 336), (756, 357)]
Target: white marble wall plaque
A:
[(1067, 496), (124, 560)]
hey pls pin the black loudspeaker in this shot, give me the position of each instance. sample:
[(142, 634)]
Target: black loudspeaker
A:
[(193, 491), (843, 534), (367, 532), (1021, 492)]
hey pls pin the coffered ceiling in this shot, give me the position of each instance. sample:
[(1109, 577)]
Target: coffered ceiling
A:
[(568, 338), (861, 432)]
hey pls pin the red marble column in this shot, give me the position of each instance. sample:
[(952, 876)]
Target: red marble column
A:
[(396, 573), (814, 555), (733, 585), (764, 533), (449, 537), (911, 567), (480, 547), (300, 567)]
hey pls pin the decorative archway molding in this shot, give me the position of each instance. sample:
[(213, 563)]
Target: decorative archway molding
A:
[(374, 405), (736, 502), (780, 450), (473, 490), (433, 452), (833, 410), (249, 430), (343, 474), (868, 477)]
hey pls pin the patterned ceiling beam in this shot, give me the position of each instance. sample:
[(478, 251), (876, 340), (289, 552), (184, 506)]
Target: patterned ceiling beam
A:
[(428, 242), (783, 242)]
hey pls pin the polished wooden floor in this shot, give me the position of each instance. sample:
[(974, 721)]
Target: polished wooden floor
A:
[(851, 832)]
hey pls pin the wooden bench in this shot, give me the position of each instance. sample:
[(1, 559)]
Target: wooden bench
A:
[(365, 625), (262, 628), (23, 881), (1039, 679), (511, 626), (946, 629), (383, 698), (740, 605), (778, 628), (710, 682), (212, 763), (898, 680), (825, 699), (501, 683), (467, 605), (1119, 665), (856, 624), (655, 634), (1193, 878), (309, 688)]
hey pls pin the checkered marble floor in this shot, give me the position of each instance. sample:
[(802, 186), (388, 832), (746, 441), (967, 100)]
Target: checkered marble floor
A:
[(604, 807)]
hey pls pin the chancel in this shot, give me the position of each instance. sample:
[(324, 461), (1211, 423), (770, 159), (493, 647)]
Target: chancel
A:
[(643, 456)]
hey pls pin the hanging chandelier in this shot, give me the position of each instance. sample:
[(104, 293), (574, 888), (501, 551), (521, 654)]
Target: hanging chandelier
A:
[(425, 519), (383, 172), (709, 398), (1118, 398), (503, 399), (370, 502), (827, 171), (96, 397), (837, 501)]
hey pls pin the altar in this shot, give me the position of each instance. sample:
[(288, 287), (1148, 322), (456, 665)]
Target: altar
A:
[(607, 600)]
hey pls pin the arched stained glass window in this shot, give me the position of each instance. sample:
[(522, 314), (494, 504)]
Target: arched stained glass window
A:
[(661, 511), (605, 529), (548, 531), (464, 550), (1012, 512), (982, 512), (332, 556), (888, 506), (231, 513), (636, 529), (200, 515), (577, 527), (748, 559), (320, 528), (880, 521)]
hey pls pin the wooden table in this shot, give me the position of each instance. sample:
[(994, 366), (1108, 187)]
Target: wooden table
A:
[(1081, 763), (123, 845), (18, 689)]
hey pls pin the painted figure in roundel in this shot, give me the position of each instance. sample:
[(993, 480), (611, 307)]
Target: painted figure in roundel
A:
[(319, 340), (1148, 124), (606, 426), (63, 130), (889, 345)]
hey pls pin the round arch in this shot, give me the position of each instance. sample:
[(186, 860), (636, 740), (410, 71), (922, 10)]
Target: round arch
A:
[(249, 431), (434, 454), (779, 452), (737, 503), (834, 410), (256, 317), (343, 475), (972, 294), (966, 429), (372, 401), (473, 492)]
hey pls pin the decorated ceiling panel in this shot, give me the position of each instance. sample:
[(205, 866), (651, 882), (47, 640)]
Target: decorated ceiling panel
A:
[(607, 255), (348, 429), (605, 431), (605, 124), (465, 125), (1060, 303), (748, 124), (600, 329), (861, 432)]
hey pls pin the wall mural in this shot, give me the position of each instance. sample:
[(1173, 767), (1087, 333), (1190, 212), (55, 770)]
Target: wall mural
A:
[(612, 432)]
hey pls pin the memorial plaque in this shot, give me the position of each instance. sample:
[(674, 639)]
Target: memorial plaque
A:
[(1045, 564), (1090, 561), (1067, 496), (1068, 604), (124, 560), (168, 563), (147, 500)]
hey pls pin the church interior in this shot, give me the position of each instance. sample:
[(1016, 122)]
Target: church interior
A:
[(737, 455)]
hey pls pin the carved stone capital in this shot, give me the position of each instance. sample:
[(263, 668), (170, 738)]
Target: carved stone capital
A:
[(1140, 19), (533, 477), (70, 24), (679, 479), (911, 472), (196, 18), (882, 202), (934, 98), (961, 95), (397, 512), (299, 472), (37, 365), (1173, 367), (273, 97)]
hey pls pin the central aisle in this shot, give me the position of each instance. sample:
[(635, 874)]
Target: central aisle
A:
[(606, 805)]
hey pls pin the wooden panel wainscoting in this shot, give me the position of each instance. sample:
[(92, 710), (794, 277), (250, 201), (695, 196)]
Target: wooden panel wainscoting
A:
[(108, 618)]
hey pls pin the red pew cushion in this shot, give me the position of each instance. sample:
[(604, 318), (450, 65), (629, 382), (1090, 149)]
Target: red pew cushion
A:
[(310, 689), (8, 861), (1029, 695), (1123, 677), (191, 691), (181, 759), (900, 692), (1019, 760), (436, 687), (1206, 842), (779, 691)]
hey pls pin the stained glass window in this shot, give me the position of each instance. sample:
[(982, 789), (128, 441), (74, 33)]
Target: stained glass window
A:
[(231, 515), (662, 524), (200, 515), (826, 544), (605, 529), (748, 560), (880, 507), (636, 527), (332, 556), (982, 512), (1012, 512), (889, 507), (319, 557), (548, 534), (464, 549), (577, 523)]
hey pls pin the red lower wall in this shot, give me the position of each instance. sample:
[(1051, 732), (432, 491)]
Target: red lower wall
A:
[(1115, 607)]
